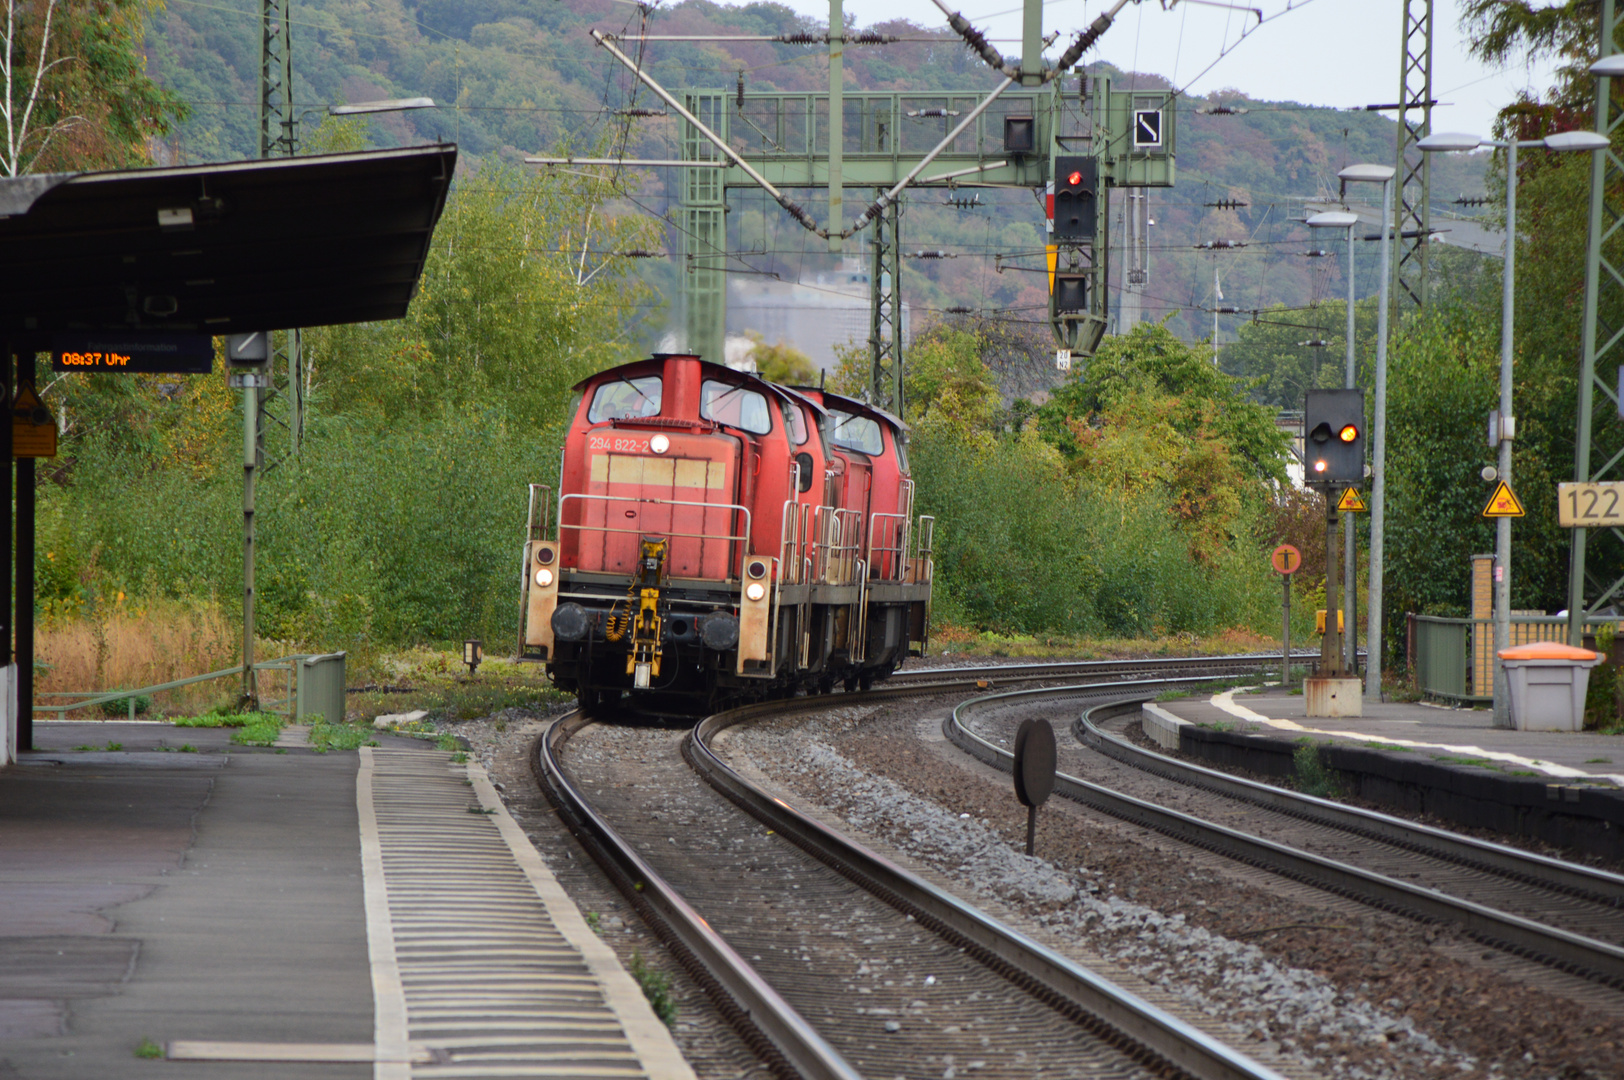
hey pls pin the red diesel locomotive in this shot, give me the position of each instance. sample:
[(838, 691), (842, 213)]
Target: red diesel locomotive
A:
[(718, 539)]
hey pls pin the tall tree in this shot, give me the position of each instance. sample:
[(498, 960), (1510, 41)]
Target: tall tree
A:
[(74, 92)]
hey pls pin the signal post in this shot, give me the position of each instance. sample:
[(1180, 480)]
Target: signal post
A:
[(1334, 460)]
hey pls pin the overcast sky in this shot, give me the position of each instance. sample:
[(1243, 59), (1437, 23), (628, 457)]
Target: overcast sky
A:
[(1321, 52)]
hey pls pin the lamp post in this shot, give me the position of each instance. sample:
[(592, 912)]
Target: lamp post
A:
[(1505, 428), (1382, 174), (1341, 219)]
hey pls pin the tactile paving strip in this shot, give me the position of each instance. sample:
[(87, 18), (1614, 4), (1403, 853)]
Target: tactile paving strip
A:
[(491, 985)]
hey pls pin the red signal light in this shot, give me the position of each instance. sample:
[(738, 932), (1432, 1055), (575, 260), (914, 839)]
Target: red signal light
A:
[(1075, 179)]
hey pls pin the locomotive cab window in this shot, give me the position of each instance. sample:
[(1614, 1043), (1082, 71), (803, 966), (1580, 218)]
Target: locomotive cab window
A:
[(794, 423), (734, 406), (858, 433), (899, 439), (625, 399)]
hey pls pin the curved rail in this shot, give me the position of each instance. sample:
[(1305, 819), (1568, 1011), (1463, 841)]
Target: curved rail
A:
[(1526, 866), (791, 1044), (1560, 948), (1094, 1001)]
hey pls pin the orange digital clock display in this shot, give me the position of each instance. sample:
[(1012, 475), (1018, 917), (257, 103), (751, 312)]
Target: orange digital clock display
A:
[(95, 360)]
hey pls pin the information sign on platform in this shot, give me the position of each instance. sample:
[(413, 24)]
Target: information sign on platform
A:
[(1587, 506), (33, 428), (1503, 503), (133, 353), (1351, 502)]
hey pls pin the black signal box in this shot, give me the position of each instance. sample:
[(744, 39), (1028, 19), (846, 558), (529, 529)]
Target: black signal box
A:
[(1334, 437), (1076, 181), (1070, 292)]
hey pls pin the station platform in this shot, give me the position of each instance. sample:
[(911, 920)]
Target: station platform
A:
[(234, 912), (1564, 788)]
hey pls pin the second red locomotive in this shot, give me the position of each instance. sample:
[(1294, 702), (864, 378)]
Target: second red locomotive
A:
[(718, 538)]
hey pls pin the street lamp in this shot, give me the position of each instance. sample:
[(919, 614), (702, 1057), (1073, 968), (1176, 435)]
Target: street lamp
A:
[(1505, 429), (1342, 219), (390, 105), (1374, 174)]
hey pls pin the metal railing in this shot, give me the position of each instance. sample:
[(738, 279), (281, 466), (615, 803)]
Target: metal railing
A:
[(742, 539), (287, 706), (1454, 658)]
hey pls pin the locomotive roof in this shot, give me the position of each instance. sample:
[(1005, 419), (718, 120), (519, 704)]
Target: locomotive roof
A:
[(790, 391), (720, 369), (850, 404)]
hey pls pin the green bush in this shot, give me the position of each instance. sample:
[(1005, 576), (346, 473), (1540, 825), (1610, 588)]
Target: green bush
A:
[(258, 729), (121, 706)]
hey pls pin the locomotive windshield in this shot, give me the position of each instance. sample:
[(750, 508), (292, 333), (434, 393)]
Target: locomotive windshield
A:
[(625, 399), (858, 433), (734, 406)]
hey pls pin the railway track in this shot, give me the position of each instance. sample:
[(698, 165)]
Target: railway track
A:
[(855, 966), (1562, 914)]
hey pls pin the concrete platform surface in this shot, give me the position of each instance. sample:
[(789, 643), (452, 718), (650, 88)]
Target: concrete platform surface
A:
[(240, 910), (1445, 732)]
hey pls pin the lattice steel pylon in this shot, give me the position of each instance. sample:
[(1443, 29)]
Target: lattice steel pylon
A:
[(1413, 167), (702, 222), (277, 122), (279, 137), (1599, 439), (885, 311)]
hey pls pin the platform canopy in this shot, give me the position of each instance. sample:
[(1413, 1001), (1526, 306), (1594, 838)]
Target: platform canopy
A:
[(220, 249)]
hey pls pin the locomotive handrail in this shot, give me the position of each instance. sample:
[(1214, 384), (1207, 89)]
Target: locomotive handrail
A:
[(530, 527), (899, 549), (833, 558)]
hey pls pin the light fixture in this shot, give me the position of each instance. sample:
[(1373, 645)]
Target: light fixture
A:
[(1446, 141), (755, 591), (659, 444), (473, 652), (390, 105), (1610, 66), (1348, 433), (1375, 173), (544, 577), (1576, 140), (1333, 219)]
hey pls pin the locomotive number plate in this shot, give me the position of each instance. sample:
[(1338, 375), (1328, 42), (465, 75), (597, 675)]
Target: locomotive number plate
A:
[(618, 444)]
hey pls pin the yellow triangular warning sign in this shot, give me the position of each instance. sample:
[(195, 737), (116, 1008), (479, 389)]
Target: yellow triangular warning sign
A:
[(1503, 503), (1351, 502)]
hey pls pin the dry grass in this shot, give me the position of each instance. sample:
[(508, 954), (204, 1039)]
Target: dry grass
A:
[(140, 644), (969, 642)]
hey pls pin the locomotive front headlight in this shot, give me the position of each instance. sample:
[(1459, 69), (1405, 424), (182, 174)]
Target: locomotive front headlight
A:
[(544, 577), (755, 591), (659, 444)]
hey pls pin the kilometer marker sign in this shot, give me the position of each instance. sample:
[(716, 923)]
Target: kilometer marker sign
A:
[(1503, 503)]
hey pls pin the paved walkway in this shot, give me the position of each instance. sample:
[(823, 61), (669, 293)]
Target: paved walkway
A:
[(1460, 732), (242, 911)]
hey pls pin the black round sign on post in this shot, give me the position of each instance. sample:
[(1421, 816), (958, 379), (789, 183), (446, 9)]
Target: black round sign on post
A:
[(1034, 771)]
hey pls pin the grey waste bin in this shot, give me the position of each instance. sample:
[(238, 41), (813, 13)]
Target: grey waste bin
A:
[(321, 688), (1547, 683)]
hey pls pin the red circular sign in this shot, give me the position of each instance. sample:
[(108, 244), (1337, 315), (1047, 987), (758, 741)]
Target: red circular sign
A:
[(1286, 559)]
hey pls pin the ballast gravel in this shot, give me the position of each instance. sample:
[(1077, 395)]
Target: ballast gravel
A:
[(1252, 996)]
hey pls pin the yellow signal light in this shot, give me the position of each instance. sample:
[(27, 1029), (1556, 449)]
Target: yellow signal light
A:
[(1348, 433)]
